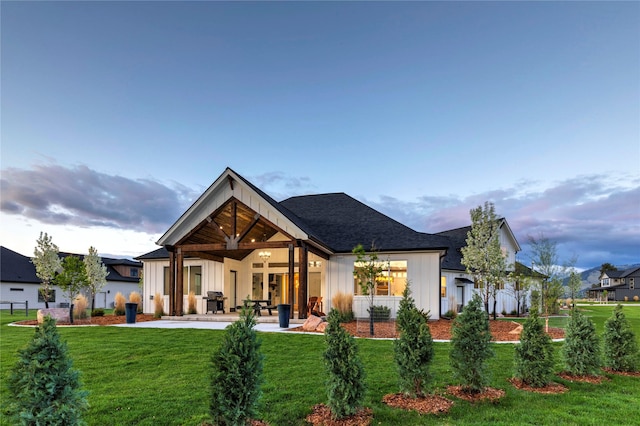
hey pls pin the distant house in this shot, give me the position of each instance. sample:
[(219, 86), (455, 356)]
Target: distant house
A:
[(19, 283), (237, 240), (618, 285)]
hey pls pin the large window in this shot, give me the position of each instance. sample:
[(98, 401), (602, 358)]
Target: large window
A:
[(192, 280), (392, 281), (443, 286)]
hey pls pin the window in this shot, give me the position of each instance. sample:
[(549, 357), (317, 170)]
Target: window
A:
[(16, 289), (605, 282), (192, 280), (52, 296), (391, 282), (632, 284), (133, 272), (443, 286), (166, 280)]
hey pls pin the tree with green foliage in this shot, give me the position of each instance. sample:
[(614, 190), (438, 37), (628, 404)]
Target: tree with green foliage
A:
[(483, 257), (534, 354), (71, 279), (367, 270), (545, 261), (519, 283), (581, 350), (413, 350), (45, 388), (607, 267), (574, 285), (47, 263), (345, 380), (96, 274), (236, 372), (470, 346), (620, 345)]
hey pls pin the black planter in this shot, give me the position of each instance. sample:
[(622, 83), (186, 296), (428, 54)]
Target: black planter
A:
[(284, 311), (130, 310), (71, 313)]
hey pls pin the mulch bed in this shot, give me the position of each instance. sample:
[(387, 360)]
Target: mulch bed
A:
[(596, 380), (321, 416), (488, 394), (622, 373), (551, 388), (103, 320), (501, 330), (428, 404)]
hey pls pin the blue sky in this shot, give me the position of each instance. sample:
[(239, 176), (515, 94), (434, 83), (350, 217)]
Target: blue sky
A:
[(116, 115)]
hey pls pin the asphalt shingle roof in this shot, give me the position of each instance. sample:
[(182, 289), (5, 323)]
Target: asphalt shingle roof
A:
[(16, 268)]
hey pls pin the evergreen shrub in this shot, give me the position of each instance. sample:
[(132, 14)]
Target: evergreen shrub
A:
[(45, 388), (345, 380), (620, 345), (534, 354), (470, 346), (236, 373), (581, 349)]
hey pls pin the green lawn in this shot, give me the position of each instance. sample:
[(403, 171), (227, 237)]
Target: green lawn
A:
[(160, 377)]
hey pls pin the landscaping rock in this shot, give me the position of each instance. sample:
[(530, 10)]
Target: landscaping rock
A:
[(58, 314), (321, 327), (311, 323)]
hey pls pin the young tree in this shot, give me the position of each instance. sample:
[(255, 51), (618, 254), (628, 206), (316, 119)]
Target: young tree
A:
[(534, 355), (470, 346), (620, 345), (47, 263), (545, 259), (482, 256), (45, 388), (368, 268), (413, 351), (574, 285), (345, 381), (581, 350), (96, 274), (237, 372), (518, 286), (71, 280)]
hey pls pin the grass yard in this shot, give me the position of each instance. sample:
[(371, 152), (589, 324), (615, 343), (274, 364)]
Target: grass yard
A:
[(160, 377)]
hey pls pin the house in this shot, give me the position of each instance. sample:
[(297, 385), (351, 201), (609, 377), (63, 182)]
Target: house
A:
[(19, 283), (237, 240), (619, 285)]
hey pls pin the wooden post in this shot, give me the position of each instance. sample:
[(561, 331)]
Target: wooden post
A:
[(292, 287), (172, 283), (180, 283), (303, 268)]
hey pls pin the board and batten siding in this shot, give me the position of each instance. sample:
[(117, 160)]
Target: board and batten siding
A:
[(423, 271)]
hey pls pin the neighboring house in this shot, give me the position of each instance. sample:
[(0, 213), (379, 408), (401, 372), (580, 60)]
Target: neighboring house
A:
[(457, 286), (237, 240), (618, 285), (19, 283)]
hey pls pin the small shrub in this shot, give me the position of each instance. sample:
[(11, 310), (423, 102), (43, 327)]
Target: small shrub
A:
[(97, 312), (236, 373), (534, 354), (191, 303), (626, 298), (504, 312), (80, 304), (45, 388), (380, 313), (513, 312), (450, 314), (413, 351), (568, 302), (135, 297), (158, 302), (581, 350), (470, 346), (620, 346), (118, 304), (343, 304), (636, 298), (345, 381)]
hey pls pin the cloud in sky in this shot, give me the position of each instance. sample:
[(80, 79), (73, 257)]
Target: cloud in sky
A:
[(594, 216)]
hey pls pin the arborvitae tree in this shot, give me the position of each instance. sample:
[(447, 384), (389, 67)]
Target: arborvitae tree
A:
[(237, 373), (470, 346), (45, 388), (413, 351), (345, 381), (581, 350), (620, 345), (534, 354)]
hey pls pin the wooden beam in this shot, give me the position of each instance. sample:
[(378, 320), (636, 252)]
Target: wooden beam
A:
[(203, 247), (264, 245), (230, 180), (204, 255), (249, 227), (292, 287), (172, 281), (303, 263), (179, 284)]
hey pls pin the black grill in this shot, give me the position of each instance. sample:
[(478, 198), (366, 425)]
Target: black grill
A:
[(215, 301)]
